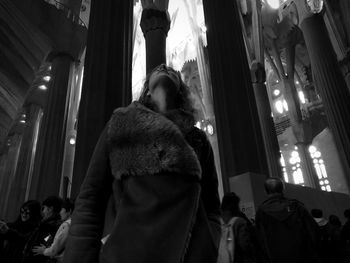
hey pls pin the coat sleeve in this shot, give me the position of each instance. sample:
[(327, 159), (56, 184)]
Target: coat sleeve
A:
[(84, 240), (242, 236), (59, 241), (209, 185), (261, 236)]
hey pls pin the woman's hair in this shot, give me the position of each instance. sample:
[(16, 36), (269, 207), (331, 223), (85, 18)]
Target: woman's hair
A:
[(183, 99), (55, 202), (68, 205), (230, 202), (34, 208)]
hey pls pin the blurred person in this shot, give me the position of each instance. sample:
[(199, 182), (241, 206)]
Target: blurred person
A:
[(324, 231), (56, 250), (158, 170), (236, 245), (336, 246), (16, 234), (46, 230), (287, 231), (345, 233)]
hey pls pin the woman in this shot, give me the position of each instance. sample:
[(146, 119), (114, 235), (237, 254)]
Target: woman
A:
[(157, 170), (17, 233), (240, 241)]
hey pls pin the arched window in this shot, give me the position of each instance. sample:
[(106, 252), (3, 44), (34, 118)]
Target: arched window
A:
[(296, 168), (320, 168)]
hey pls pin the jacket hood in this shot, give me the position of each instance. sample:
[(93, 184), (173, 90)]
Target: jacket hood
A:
[(279, 207)]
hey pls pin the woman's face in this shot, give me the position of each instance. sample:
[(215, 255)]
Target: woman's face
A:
[(162, 91), (157, 95), (25, 214), (64, 214)]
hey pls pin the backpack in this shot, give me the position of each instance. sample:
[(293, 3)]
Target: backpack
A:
[(227, 242)]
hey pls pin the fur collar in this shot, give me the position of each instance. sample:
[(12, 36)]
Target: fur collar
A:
[(143, 142)]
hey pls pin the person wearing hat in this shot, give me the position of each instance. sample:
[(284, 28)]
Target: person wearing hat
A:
[(152, 176)]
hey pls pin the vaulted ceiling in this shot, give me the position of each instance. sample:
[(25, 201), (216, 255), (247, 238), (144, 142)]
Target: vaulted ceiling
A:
[(29, 31)]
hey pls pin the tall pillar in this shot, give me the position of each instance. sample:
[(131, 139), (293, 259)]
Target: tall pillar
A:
[(311, 178), (266, 122), (107, 77), (9, 172), (241, 145), (48, 160), (27, 150), (345, 68), (301, 128), (328, 78), (155, 25)]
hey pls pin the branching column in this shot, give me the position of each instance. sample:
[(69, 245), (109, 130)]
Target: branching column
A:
[(328, 78), (266, 122)]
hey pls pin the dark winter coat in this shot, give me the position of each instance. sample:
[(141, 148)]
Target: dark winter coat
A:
[(156, 177), (15, 240), (244, 244), (18, 233), (43, 234), (288, 232)]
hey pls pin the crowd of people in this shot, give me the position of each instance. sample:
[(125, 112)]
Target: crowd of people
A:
[(39, 233), (283, 231)]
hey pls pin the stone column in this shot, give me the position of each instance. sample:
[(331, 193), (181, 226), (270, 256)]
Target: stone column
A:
[(155, 24), (107, 77), (48, 160), (345, 68), (308, 168), (241, 145), (328, 78), (266, 122), (27, 150), (15, 139), (301, 128)]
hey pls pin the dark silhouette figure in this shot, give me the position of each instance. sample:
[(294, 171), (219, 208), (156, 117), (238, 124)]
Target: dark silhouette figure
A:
[(16, 234), (244, 250), (287, 232), (45, 231)]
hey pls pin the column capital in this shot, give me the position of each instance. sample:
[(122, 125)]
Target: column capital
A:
[(153, 18), (257, 72), (299, 10)]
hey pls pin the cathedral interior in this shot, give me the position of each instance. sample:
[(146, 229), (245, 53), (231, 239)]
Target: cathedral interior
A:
[(270, 80)]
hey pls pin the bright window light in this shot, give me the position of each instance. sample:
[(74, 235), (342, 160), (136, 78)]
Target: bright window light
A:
[(279, 106), (276, 92), (302, 97)]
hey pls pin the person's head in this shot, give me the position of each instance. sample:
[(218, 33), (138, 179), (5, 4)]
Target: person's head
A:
[(164, 90), (230, 203), (30, 210), (316, 213), (347, 214), (274, 185), (67, 209), (334, 220), (51, 206)]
